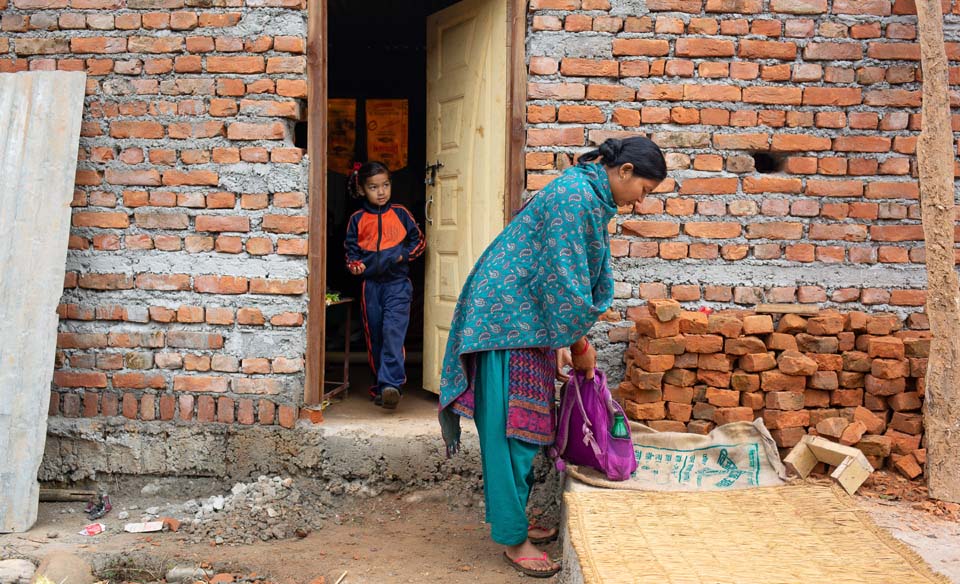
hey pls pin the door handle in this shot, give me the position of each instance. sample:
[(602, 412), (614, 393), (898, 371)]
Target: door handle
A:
[(426, 210), (431, 172)]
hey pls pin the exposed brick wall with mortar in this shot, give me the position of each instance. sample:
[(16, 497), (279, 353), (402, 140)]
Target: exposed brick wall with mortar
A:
[(853, 377), (185, 286), (831, 87)]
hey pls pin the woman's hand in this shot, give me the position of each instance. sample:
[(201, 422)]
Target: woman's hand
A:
[(584, 360), (564, 362)]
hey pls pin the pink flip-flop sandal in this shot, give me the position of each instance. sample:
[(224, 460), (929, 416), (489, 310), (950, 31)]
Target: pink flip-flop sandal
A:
[(530, 571)]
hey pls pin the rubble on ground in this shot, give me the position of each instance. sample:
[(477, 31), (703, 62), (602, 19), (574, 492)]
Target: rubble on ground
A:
[(889, 486), (270, 508), (266, 509)]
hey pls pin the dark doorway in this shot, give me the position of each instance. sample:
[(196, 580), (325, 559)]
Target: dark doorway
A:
[(376, 50)]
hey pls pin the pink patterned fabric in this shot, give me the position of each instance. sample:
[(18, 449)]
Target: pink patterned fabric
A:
[(531, 389)]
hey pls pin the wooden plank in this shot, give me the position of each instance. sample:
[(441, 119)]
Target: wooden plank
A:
[(787, 309), (317, 153), (852, 467), (516, 107), (40, 118), (801, 460), (66, 495), (935, 165), (851, 474)]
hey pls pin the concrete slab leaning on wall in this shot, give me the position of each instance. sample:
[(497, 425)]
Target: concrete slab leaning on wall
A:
[(40, 115)]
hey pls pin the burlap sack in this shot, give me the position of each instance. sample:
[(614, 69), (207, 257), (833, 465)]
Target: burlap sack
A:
[(741, 455)]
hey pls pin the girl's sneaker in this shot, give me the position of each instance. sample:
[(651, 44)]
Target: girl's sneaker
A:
[(390, 397)]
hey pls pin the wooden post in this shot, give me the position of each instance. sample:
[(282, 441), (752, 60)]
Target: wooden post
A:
[(317, 152), (935, 158), (516, 107)]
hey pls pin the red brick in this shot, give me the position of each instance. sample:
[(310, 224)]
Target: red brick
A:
[(884, 387), (796, 363), (712, 230), (774, 230), (778, 420), (130, 406), (709, 186), (890, 368), (800, 143), (833, 51), (703, 343), (689, 6), (287, 416), (886, 347), (904, 402), (220, 284), (861, 144), (696, 47), (751, 49), (730, 415), (610, 93), (254, 131), (756, 362), (777, 381), (903, 443), (640, 47), (773, 95)]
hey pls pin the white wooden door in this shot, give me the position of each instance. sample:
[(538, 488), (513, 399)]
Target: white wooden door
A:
[(467, 135)]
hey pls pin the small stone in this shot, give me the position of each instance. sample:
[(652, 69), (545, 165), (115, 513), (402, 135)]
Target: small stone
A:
[(187, 574), (152, 510), (123, 515), (16, 571), (64, 568)]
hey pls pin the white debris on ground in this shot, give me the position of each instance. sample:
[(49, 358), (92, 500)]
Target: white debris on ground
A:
[(266, 509)]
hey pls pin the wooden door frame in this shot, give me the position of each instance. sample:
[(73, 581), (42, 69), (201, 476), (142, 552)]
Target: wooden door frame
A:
[(317, 20)]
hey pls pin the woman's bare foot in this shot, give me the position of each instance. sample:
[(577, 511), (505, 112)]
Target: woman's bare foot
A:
[(541, 535), (531, 560)]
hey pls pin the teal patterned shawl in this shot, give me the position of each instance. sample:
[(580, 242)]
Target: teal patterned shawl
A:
[(542, 283)]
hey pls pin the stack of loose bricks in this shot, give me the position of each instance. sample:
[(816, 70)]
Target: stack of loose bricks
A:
[(185, 292), (854, 378)]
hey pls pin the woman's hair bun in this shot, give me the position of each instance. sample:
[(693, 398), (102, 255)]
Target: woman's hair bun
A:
[(610, 150)]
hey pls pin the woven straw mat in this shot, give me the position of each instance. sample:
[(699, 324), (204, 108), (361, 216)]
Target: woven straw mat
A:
[(793, 534)]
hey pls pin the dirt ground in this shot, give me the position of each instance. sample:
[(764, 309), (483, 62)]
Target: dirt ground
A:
[(425, 536), (418, 537)]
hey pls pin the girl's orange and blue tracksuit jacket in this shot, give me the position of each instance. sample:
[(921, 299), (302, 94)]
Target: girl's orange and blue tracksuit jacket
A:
[(386, 239)]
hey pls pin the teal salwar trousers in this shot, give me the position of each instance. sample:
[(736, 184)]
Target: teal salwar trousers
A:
[(507, 462)]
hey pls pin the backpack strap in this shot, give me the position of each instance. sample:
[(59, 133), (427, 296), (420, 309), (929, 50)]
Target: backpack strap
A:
[(563, 432), (588, 438)]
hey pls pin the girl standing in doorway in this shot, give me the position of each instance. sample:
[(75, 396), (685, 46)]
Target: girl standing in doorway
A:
[(523, 317), (382, 239)]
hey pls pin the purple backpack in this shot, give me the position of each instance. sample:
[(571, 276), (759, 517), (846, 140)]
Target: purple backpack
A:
[(583, 432)]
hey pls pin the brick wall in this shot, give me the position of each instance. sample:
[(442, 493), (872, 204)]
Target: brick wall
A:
[(829, 90), (851, 377), (186, 274), (186, 277)]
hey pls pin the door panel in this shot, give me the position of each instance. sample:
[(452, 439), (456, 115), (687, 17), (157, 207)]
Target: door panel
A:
[(466, 133)]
